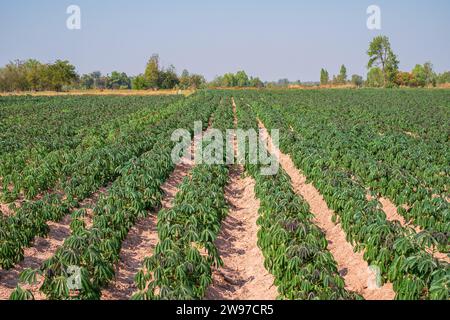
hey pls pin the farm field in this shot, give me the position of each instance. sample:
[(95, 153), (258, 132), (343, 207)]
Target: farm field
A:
[(359, 208)]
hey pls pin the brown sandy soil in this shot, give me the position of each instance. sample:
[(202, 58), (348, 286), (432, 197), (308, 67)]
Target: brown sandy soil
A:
[(243, 275), (143, 238), (392, 214), (42, 249), (352, 267), (4, 208), (89, 203)]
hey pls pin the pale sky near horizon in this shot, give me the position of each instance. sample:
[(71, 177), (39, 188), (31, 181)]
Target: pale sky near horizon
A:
[(270, 39)]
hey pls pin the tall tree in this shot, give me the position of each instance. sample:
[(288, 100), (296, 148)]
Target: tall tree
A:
[(152, 72), (431, 77), (242, 79), (118, 80), (419, 76), (196, 81), (381, 55), (33, 69), (185, 80), (59, 74), (139, 83), (324, 77), (342, 78), (168, 78)]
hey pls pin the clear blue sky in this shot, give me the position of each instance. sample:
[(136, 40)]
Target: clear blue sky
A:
[(270, 39)]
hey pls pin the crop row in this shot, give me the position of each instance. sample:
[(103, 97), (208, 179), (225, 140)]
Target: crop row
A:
[(181, 266), (133, 195), (365, 140), (295, 249), (94, 170), (37, 168), (399, 252)]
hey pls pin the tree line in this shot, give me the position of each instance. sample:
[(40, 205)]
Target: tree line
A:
[(36, 76), (383, 71), (32, 75)]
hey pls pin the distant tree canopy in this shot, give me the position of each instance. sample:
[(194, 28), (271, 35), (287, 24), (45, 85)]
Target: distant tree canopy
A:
[(375, 78), (34, 75), (342, 77), (381, 55), (324, 77), (443, 78), (357, 80), (240, 79), (95, 80), (156, 77), (420, 76), (152, 72), (139, 83)]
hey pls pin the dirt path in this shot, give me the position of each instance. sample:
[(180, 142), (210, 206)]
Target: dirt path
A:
[(243, 276), (42, 249), (352, 267), (45, 248)]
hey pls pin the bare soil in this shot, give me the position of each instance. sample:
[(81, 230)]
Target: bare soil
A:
[(42, 249), (390, 209), (143, 238), (352, 267), (243, 275)]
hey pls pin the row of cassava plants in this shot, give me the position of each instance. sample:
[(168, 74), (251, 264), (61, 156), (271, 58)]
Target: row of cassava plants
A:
[(91, 171), (135, 194), (181, 266), (400, 253), (295, 249), (396, 143), (53, 143)]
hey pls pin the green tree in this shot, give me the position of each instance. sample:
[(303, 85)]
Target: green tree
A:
[(431, 77), (196, 81), (87, 81), (381, 55), (443, 78), (185, 80), (375, 78), (168, 78), (357, 80), (342, 78), (228, 80), (118, 80), (152, 72), (256, 83), (324, 77), (242, 79), (33, 74), (139, 83), (419, 76), (59, 74)]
